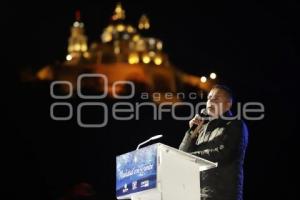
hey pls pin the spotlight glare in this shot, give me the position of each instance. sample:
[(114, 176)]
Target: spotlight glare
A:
[(68, 57), (203, 79), (213, 75)]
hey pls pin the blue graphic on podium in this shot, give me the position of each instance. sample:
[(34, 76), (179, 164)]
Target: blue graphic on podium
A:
[(136, 171)]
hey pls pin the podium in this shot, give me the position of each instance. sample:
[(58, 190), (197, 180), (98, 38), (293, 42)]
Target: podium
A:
[(159, 172)]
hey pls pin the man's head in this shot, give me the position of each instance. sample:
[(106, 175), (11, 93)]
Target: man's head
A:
[(219, 100)]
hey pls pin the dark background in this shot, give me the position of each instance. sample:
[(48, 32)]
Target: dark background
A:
[(252, 46)]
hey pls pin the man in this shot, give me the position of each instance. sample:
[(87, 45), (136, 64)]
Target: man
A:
[(222, 140)]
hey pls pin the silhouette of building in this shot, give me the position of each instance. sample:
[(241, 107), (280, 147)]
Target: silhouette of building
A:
[(122, 54)]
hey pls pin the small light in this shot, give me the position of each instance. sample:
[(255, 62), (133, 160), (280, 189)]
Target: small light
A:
[(203, 79), (158, 60), (76, 24), (70, 48), (126, 36), (68, 57), (118, 9), (147, 26), (146, 59), (120, 27), (117, 50), (133, 58), (151, 53), (130, 29), (106, 37), (77, 47), (141, 26), (159, 45), (136, 38), (86, 55), (151, 41), (213, 75), (83, 47), (110, 28)]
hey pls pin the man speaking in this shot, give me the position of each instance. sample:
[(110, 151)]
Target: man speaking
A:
[(222, 140)]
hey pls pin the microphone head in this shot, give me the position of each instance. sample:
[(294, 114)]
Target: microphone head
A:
[(204, 112), (156, 137)]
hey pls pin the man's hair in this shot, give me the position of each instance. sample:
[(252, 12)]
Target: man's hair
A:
[(226, 89)]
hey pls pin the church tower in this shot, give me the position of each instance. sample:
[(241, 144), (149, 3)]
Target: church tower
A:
[(77, 41)]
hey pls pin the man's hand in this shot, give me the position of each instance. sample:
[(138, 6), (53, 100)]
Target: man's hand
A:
[(198, 121)]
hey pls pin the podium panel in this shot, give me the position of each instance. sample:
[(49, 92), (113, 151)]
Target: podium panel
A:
[(136, 171), (159, 172)]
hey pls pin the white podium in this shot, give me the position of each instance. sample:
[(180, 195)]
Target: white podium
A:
[(159, 172)]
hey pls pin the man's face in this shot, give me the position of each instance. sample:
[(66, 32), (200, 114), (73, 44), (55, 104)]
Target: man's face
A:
[(217, 102)]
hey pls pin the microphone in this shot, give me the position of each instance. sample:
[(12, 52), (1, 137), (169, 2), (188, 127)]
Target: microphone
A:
[(203, 114), (150, 139)]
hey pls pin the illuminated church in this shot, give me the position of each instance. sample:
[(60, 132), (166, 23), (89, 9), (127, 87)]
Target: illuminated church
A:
[(123, 53)]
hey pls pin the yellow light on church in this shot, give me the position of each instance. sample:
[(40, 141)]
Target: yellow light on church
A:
[(146, 59), (70, 48), (106, 37), (130, 29), (77, 47), (119, 8), (141, 26), (159, 45), (120, 27), (117, 50), (158, 60), (110, 28), (133, 58), (147, 25), (86, 55), (144, 22), (76, 24), (119, 12), (136, 38), (151, 53), (83, 47)]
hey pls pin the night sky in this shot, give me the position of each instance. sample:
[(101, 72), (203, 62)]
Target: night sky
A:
[(252, 46)]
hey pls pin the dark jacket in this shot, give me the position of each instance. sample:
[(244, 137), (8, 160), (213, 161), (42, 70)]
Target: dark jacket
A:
[(225, 142)]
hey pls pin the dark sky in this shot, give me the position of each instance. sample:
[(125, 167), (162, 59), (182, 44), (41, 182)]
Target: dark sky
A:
[(252, 46), (253, 40)]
